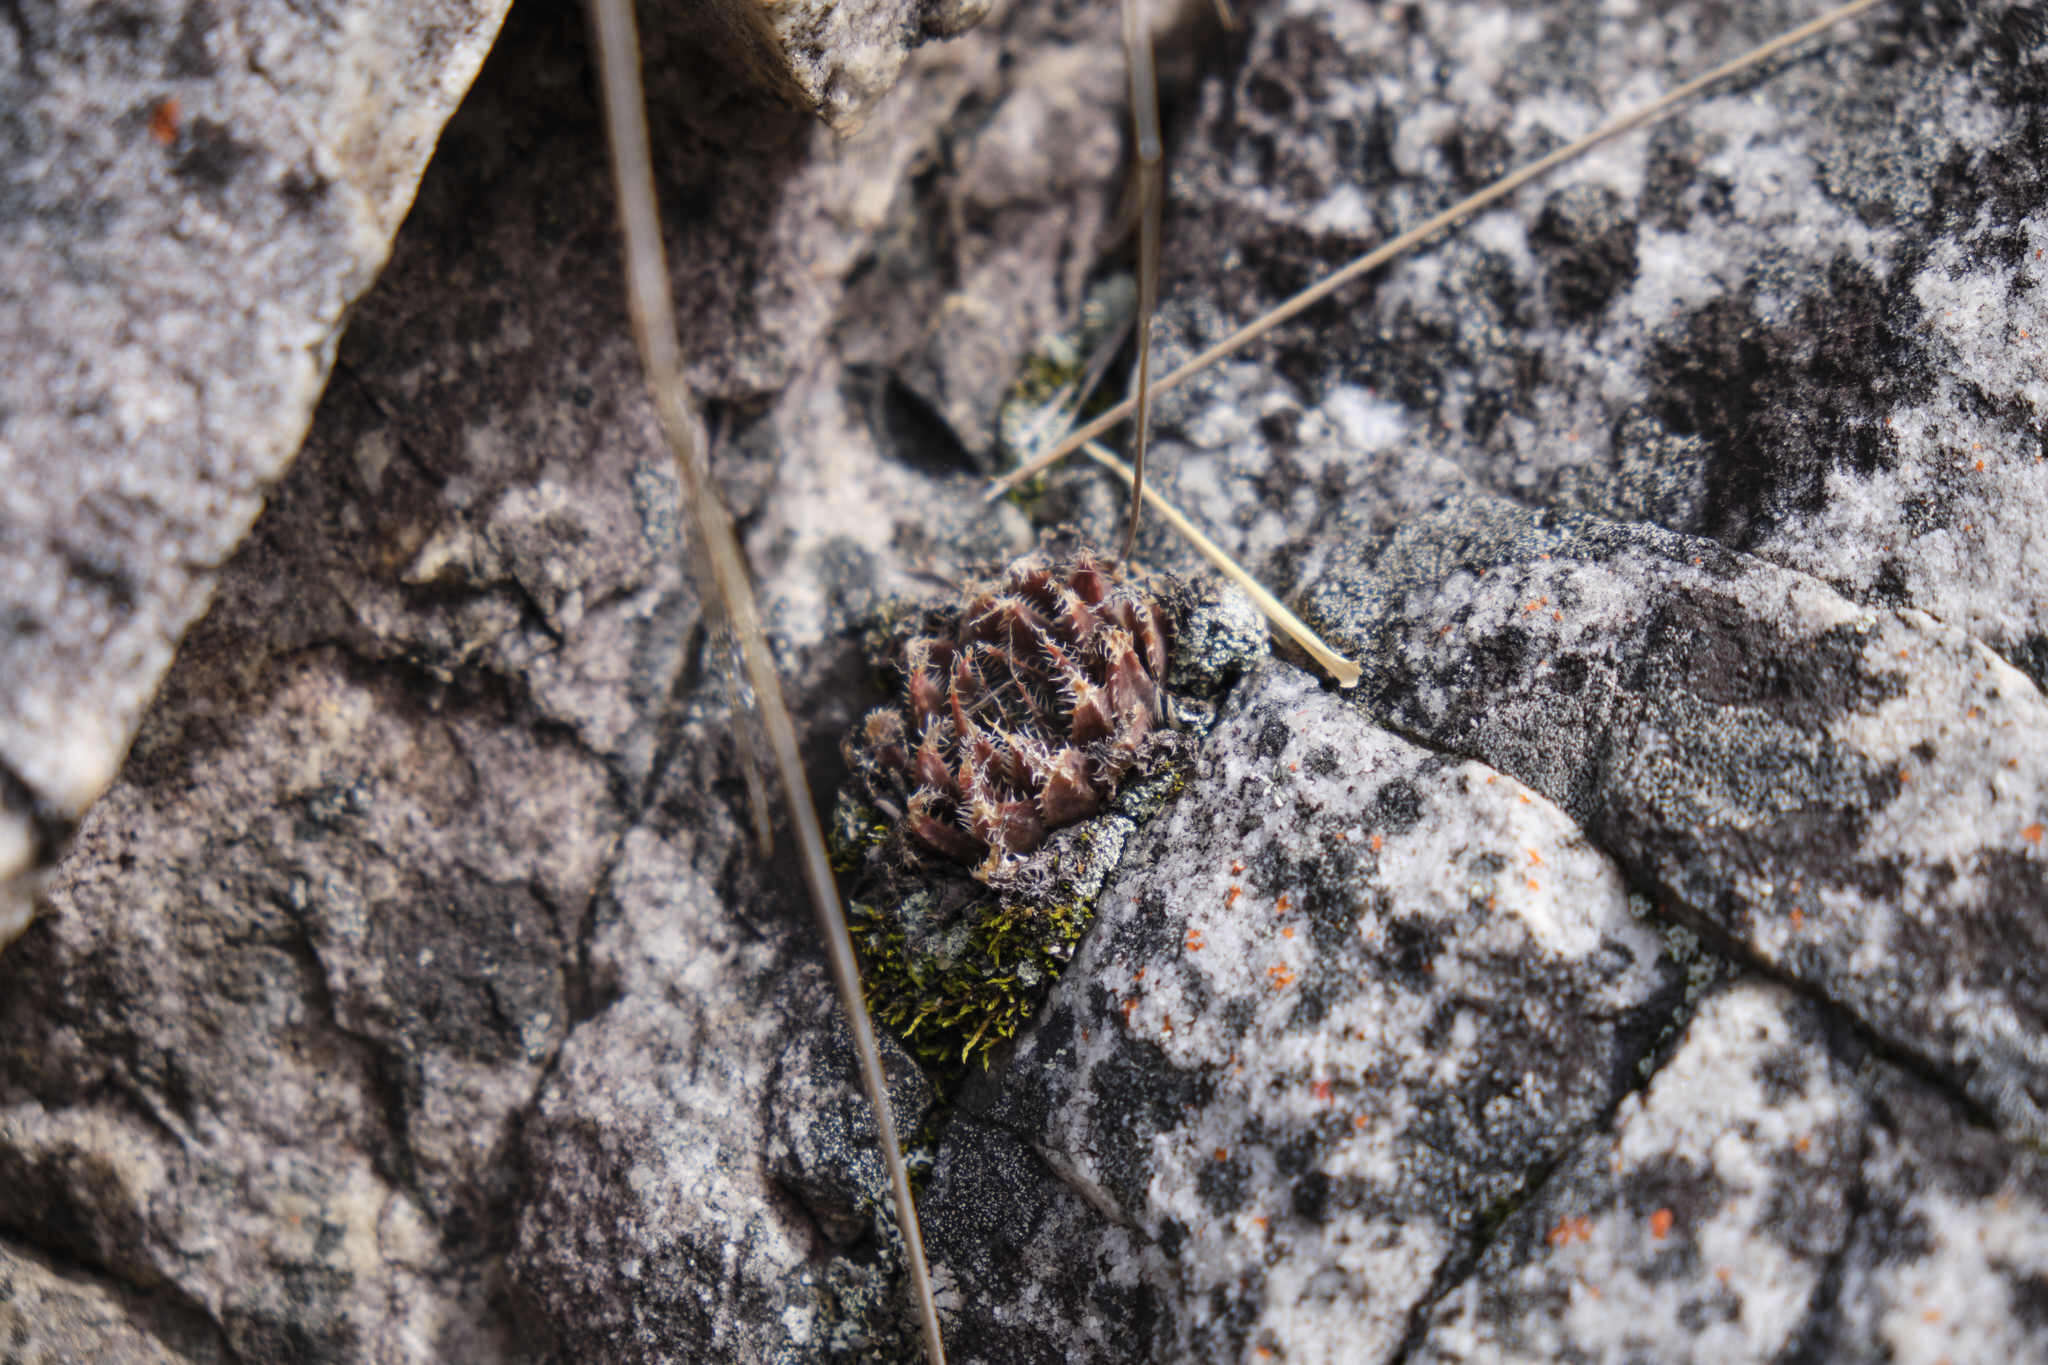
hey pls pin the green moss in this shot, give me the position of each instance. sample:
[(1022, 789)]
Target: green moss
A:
[(1054, 371), (970, 988), (855, 830)]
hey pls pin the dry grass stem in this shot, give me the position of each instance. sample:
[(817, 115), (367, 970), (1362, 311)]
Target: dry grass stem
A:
[(723, 579), (1151, 189), (1286, 622), (1662, 107)]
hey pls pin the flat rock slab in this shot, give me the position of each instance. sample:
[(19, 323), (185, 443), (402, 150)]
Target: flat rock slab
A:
[(1772, 1192), (1853, 797), (1345, 1000), (194, 194)]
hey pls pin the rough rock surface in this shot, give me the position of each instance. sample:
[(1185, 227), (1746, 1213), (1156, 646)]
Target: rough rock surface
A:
[(1336, 1014), (1775, 1192), (418, 995), (191, 195), (1851, 796)]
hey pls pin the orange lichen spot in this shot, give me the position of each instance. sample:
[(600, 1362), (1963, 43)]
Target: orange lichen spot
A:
[(1980, 470), (2032, 833), (1138, 975), (1282, 974), (1231, 899), (1802, 1144), (1287, 932), (1535, 885), (1575, 1228), (1974, 713), (1493, 902), (1445, 631), (1258, 1221), (1723, 1273), (163, 121), (1378, 843), (1557, 616), (1527, 799), (1798, 919), (1236, 866), (1697, 561), (1905, 777), (1322, 1091), (1130, 1007), (1535, 858), (1294, 767), (1930, 1315), (1660, 1224), (1360, 1120), (1538, 605), (1283, 905), (1223, 1154), (1194, 940)]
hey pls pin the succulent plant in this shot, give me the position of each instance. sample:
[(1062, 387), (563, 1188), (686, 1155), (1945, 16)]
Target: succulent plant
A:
[(1023, 709), (990, 804)]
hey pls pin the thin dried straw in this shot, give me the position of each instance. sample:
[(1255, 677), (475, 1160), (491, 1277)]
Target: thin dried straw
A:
[(1286, 622), (1380, 255), (723, 578), (1151, 189)]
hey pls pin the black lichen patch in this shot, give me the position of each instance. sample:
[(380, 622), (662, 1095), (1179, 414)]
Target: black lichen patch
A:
[(1780, 406), (1588, 242), (210, 156), (987, 808)]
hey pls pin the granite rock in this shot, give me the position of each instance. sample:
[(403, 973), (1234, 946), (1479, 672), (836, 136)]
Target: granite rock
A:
[(1775, 1192), (418, 993), (191, 195), (1851, 796), (447, 714), (1339, 1009)]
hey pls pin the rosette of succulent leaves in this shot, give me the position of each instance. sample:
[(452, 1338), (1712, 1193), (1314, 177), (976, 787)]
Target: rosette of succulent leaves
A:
[(1037, 718)]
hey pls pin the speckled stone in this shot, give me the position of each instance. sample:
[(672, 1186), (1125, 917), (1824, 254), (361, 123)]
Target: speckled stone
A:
[(424, 921), (1339, 1008), (1853, 796), (194, 194), (1773, 1192)]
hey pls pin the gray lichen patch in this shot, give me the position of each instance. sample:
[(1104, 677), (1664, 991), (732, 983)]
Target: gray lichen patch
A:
[(988, 813)]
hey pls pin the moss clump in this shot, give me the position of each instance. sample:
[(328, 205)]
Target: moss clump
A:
[(951, 1009), (955, 968)]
